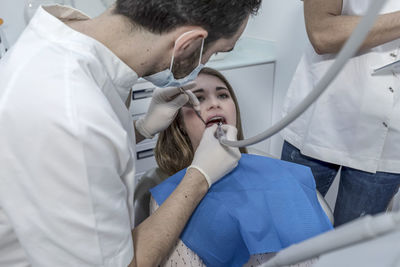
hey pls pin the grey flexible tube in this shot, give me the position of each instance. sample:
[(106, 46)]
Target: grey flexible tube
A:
[(349, 50), (350, 234)]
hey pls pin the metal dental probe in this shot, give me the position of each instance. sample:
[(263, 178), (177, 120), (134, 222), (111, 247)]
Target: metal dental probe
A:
[(220, 132), (198, 115)]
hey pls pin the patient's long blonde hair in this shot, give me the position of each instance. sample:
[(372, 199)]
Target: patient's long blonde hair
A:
[(174, 150)]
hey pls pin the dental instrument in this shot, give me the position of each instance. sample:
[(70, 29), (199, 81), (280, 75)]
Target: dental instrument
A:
[(198, 114), (220, 133), (349, 49), (192, 105)]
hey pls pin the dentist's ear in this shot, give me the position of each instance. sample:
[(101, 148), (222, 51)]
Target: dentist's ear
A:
[(189, 41)]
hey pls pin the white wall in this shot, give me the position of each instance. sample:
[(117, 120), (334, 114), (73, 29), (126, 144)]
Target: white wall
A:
[(12, 12), (281, 21)]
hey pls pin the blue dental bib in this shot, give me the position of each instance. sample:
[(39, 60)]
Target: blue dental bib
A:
[(263, 205)]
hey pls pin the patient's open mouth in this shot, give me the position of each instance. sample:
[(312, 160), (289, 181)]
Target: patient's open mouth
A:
[(215, 120)]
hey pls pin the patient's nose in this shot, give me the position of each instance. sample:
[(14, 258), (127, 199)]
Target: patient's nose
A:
[(213, 103)]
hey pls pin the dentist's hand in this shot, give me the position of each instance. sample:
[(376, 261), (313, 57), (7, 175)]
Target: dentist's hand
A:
[(164, 106), (214, 160)]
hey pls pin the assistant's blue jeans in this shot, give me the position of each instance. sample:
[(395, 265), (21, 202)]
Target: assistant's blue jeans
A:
[(360, 192)]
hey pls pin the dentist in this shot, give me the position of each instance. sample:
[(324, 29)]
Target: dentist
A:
[(67, 140)]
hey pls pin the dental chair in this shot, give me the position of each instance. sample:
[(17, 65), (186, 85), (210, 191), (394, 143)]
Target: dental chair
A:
[(155, 176), (149, 180)]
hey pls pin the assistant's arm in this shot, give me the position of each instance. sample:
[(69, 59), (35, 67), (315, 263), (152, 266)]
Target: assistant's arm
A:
[(328, 29)]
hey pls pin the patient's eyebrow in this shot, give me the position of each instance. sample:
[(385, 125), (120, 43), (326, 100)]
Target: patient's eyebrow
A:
[(199, 90)]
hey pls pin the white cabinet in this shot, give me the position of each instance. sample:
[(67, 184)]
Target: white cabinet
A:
[(141, 96)]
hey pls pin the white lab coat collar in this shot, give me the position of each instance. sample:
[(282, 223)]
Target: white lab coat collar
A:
[(122, 76)]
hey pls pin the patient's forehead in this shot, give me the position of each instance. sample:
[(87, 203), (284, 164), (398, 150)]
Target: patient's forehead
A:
[(207, 82)]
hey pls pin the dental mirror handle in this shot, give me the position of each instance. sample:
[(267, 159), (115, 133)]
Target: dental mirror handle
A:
[(191, 104)]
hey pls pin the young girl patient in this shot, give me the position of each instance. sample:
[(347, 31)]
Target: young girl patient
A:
[(261, 207)]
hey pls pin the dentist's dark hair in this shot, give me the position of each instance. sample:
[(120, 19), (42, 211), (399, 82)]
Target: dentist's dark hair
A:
[(221, 18)]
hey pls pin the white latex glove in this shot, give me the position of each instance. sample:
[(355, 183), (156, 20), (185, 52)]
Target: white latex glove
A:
[(163, 108), (214, 160)]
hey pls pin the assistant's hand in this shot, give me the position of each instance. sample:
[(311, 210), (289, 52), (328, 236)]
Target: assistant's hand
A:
[(214, 160), (163, 108)]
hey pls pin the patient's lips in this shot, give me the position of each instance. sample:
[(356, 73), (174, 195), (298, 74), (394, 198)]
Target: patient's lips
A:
[(215, 120)]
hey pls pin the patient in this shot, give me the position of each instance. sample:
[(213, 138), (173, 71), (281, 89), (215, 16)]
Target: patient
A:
[(261, 207)]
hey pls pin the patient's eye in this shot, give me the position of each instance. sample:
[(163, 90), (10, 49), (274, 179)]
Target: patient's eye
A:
[(200, 97), (223, 96)]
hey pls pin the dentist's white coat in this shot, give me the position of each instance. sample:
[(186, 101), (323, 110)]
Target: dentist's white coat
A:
[(66, 149)]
